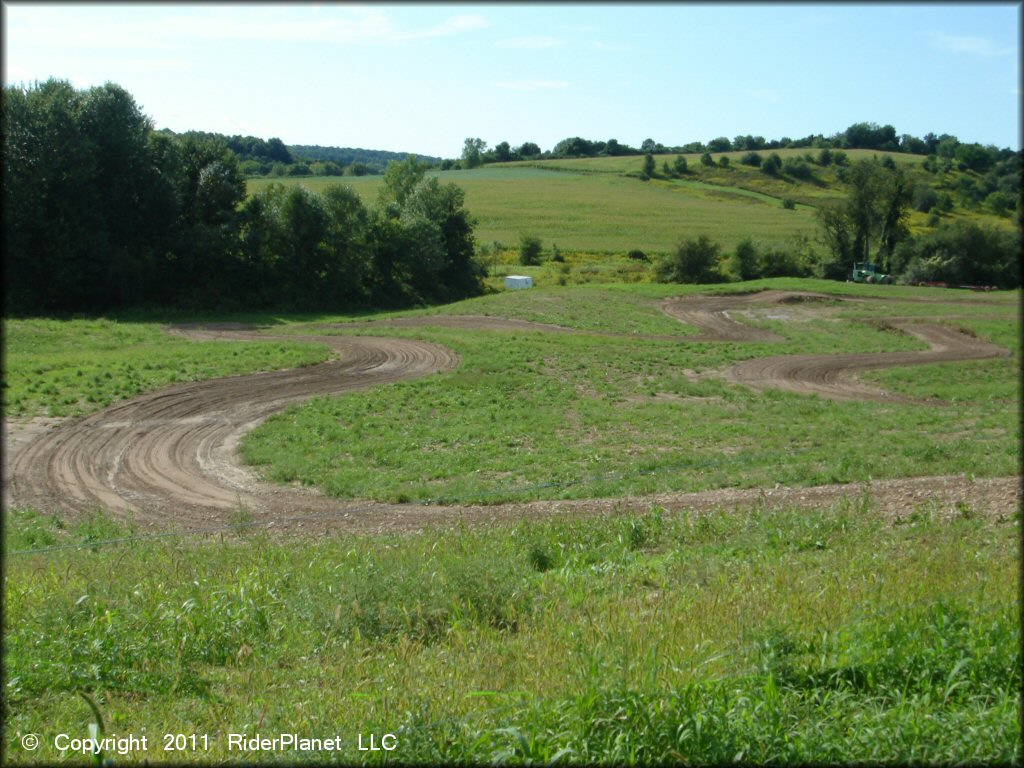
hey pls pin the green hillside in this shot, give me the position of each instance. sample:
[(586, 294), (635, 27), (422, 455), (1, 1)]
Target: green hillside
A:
[(601, 206)]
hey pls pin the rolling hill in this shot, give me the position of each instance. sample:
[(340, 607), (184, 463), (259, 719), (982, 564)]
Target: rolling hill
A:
[(601, 205)]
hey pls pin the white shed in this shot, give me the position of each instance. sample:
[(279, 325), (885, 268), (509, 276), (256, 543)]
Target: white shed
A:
[(517, 282)]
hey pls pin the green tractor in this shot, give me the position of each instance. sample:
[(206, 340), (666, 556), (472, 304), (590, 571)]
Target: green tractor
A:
[(866, 272)]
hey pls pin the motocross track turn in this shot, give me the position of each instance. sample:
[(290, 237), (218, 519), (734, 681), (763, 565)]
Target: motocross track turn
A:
[(168, 459)]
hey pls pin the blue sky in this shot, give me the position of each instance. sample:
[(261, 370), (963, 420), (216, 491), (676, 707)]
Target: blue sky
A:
[(422, 78)]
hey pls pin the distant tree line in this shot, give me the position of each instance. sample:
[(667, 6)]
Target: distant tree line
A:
[(858, 136), (103, 212), (271, 157), (355, 162)]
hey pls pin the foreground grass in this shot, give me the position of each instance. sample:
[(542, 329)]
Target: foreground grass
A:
[(767, 636)]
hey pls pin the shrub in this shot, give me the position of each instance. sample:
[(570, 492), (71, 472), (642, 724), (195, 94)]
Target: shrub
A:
[(924, 197), (962, 253), (253, 168), (779, 261), (529, 250), (751, 158), (744, 262), (771, 165), (680, 165), (797, 168), (788, 203), (694, 261), (648, 168), (706, 160), (1000, 202)]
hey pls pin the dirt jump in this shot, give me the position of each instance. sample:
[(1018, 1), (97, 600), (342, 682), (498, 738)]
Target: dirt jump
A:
[(168, 460)]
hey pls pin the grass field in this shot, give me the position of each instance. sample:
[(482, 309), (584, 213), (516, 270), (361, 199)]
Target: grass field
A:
[(600, 213), (535, 415), (791, 636), (71, 367), (598, 206), (826, 635)]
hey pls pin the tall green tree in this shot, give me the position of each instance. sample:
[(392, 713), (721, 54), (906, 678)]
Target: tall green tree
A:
[(447, 269), (503, 152), (81, 198), (647, 171), (400, 179), (871, 221), (208, 188), (473, 152)]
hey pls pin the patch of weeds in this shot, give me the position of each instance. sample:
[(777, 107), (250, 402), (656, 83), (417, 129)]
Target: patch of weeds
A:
[(26, 529), (964, 510), (99, 526), (387, 595), (540, 556)]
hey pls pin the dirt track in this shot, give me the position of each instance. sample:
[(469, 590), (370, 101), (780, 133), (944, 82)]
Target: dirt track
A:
[(168, 460)]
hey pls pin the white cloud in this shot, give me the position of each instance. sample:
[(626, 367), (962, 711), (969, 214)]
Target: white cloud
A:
[(533, 85), (977, 46), (345, 25), (164, 27)]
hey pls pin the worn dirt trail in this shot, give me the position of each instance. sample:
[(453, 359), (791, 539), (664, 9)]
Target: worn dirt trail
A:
[(168, 459)]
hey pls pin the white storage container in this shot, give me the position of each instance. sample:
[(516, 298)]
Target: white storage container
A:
[(518, 282)]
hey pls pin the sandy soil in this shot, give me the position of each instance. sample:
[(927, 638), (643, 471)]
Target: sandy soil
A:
[(168, 459)]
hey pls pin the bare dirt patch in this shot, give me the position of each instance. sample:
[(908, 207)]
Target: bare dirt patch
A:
[(168, 458)]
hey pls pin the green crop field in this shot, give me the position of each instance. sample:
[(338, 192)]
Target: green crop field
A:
[(600, 213), (599, 206)]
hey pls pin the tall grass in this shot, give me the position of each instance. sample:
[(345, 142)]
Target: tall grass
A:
[(768, 636)]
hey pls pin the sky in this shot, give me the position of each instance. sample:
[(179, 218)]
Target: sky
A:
[(422, 78)]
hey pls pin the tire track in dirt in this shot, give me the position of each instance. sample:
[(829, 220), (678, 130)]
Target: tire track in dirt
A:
[(168, 459), (831, 376), (169, 456), (834, 376)]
